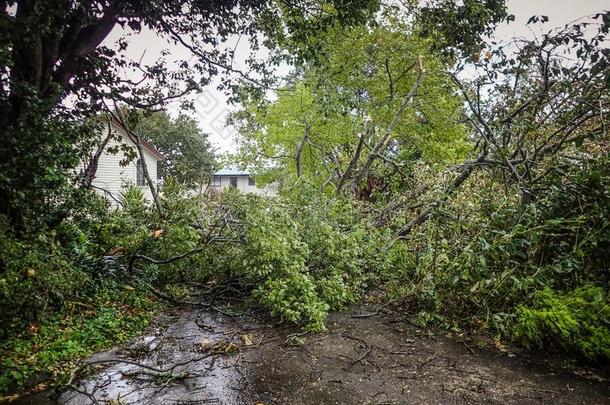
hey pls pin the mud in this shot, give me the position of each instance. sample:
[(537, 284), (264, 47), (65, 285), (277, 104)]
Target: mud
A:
[(204, 358)]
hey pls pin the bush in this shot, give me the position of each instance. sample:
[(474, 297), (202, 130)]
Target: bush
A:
[(578, 321), (63, 296), (38, 276), (52, 344), (65, 292)]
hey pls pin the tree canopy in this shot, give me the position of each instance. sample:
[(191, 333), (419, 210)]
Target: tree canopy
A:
[(378, 102)]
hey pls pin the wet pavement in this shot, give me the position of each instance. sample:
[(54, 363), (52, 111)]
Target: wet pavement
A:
[(192, 356)]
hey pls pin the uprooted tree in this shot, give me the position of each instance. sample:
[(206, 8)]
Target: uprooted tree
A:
[(376, 108), (495, 177), (465, 179)]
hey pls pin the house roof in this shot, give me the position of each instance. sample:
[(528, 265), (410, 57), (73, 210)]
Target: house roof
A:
[(152, 149), (229, 171), (145, 144)]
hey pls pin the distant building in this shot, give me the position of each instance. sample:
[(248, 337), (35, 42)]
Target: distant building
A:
[(241, 180)]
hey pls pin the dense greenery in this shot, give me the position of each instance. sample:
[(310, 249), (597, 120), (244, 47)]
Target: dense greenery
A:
[(375, 92), (514, 241), (62, 299), (298, 261), (469, 181)]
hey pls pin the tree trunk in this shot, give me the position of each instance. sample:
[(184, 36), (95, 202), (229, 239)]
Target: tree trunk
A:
[(388, 132), (352, 163)]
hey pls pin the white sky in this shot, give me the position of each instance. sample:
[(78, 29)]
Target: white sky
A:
[(211, 107)]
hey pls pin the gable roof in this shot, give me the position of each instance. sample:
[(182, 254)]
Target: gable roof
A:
[(152, 149)]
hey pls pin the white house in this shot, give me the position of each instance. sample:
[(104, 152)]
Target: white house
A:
[(241, 180), (113, 175)]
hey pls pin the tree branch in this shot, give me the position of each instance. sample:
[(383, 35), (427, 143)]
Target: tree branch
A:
[(388, 132)]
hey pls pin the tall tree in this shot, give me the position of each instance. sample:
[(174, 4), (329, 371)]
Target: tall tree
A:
[(379, 101), (189, 158)]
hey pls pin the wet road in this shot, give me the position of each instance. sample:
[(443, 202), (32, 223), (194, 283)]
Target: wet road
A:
[(195, 357)]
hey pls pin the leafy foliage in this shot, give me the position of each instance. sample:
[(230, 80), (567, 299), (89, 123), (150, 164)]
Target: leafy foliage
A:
[(459, 28), (49, 349), (578, 321), (298, 260), (61, 299), (56, 71), (354, 97), (514, 240), (365, 138), (483, 258)]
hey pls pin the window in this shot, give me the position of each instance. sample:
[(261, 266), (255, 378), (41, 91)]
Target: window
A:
[(159, 171), (251, 181), (140, 180), (233, 181), (217, 182)]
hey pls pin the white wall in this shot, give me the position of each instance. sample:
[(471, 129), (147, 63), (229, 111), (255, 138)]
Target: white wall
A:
[(243, 186), (112, 178)]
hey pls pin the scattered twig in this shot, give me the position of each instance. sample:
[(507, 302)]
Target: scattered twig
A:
[(175, 301), (76, 373), (470, 349), (359, 359)]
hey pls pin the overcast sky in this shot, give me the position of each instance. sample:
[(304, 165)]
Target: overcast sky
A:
[(211, 106)]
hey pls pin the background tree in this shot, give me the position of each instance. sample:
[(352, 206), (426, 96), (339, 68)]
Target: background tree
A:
[(189, 157), (378, 102)]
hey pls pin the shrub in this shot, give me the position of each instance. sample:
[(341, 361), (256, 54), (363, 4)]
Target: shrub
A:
[(578, 321), (38, 276), (51, 345)]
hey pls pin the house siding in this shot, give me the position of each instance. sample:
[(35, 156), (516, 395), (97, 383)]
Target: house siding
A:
[(112, 178)]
